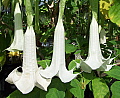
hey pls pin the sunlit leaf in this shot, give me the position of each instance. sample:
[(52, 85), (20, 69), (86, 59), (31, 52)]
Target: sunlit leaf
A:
[(100, 88), (77, 90), (114, 13)]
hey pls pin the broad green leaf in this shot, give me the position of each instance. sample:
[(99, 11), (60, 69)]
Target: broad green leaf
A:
[(114, 72), (76, 89), (100, 88), (115, 89), (70, 48), (44, 63), (114, 13), (73, 64), (56, 89), (87, 77), (17, 94)]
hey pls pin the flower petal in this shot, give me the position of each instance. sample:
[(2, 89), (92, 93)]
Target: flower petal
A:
[(42, 82), (13, 76)]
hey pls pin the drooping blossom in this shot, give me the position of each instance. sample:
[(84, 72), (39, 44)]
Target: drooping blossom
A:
[(17, 43), (95, 60), (26, 80), (58, 65)]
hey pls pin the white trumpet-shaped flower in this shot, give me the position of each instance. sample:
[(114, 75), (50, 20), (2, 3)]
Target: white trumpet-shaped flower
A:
[(29, 77), (17, 43), (58, 66), (95, 60)]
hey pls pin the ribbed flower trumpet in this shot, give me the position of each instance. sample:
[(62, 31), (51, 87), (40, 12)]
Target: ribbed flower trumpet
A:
[(58, 66), (17, 43), (29, 77), (95, 60)]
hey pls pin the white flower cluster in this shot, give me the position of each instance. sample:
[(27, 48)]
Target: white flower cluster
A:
[(32, 76)]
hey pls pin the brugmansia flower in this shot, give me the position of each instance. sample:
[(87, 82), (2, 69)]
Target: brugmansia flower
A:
[(95, 60), (29, 77), (58, 66), (102, 36), (17, 43)]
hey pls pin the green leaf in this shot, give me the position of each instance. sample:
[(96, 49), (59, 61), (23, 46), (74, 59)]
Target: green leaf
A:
[(114, 13), (70, 48), (114, 72), (77, 90), (115, 88), (73, 64), (87, 77), (100, 88), (17, 94), (44, 63), (55, 90)]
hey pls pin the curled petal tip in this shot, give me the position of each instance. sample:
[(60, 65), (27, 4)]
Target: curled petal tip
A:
[(42, 82)]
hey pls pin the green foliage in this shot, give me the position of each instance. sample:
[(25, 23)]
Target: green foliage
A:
[(100, 88), (114, 13), (115, 88), (114, 72), (44, 63), (55, 90), (69, 47), (77, 89), (73, 64), (17, 94)]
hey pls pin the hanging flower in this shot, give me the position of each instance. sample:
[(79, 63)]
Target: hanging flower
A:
[(58, 66), (29, 77), (17, 43), (102, 36), (95, 60)]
